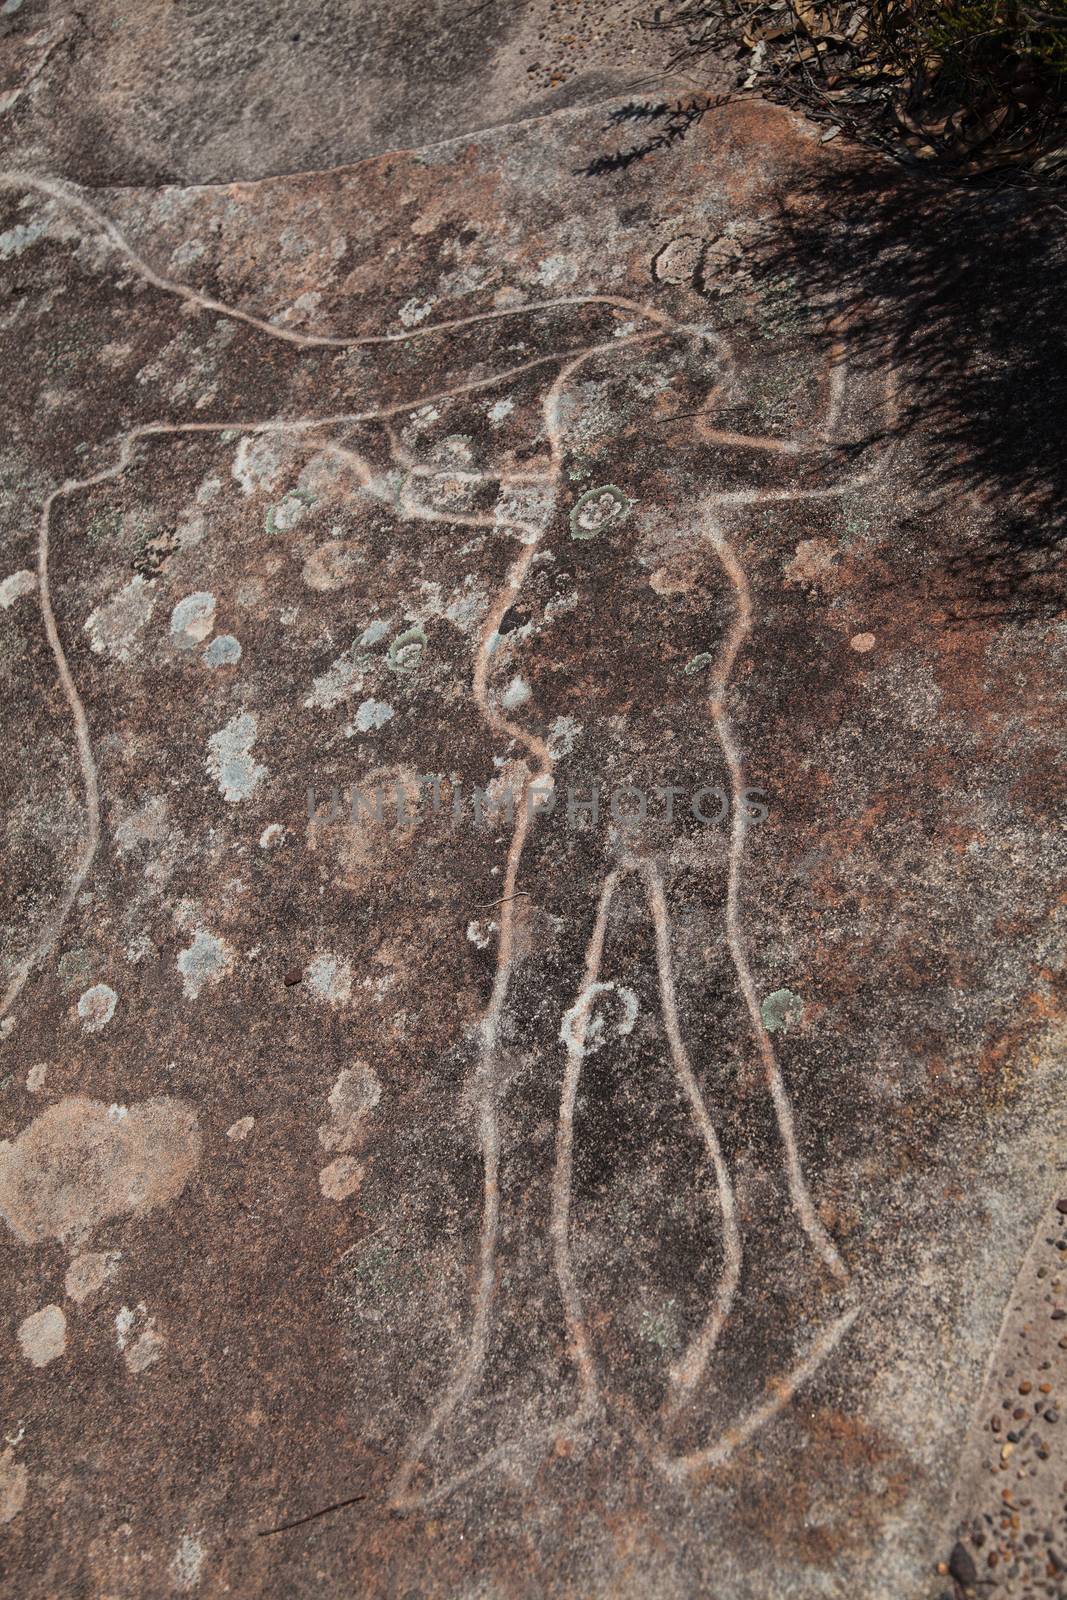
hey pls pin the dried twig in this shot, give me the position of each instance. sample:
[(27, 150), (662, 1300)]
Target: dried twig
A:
[(323, 1511)]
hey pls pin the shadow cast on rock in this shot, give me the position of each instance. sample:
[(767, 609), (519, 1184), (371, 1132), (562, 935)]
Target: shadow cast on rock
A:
[(962, 291)]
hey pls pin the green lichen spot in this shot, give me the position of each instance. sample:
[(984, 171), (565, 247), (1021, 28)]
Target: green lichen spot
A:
[(699, 663), (659, 1325), (106, 528), (857, 524), (284, 516), (781, 1010), (596, 509), (405, 652)]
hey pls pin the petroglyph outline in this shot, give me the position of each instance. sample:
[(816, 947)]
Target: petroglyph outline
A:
[(688, 1371)]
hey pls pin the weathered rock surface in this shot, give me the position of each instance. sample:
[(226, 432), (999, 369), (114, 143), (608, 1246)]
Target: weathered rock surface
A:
[(157, 92), (605, 1202)]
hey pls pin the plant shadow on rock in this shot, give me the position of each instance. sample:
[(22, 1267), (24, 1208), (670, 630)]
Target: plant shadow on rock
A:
[(962, 292)]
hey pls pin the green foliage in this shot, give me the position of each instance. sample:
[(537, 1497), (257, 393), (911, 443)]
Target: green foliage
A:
[(980, 85), (976, 48), (976, 37)]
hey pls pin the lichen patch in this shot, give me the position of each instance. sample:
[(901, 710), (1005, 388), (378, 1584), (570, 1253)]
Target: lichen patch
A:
[(80, 1163)]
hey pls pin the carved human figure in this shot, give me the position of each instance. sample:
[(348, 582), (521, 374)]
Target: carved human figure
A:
[(606, 665), (615, 628)]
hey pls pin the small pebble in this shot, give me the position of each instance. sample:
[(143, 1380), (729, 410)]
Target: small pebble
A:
[(293, 976), (961, 1565)]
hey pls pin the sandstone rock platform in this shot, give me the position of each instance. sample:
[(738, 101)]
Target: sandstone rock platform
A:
[(531, 1051)]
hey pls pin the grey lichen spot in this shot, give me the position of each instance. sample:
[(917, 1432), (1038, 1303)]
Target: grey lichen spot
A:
[(679, 259), (456, 450), (82, 1162), (330, 979), (525, 510), (562, 735), (97, 1007), (188, 1561), (224, 651), (781, 1010), (341, 1178), (587, 1011), (138, 1338), (43, 1335), (257, 463), (333, 565), (699, 663), (352, 1099), (192, 620), (190, 530), (146, 826), (114, 627), (598, 509), (13, 1484), (74, 968), (342, 678), (516, 694), (23, 234), (372, 714), (405, 652), (556, 272), (499, 410), (415, 311), (14, 587), (230, 760), (374, 632), (88, 1273), (207, 960)]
